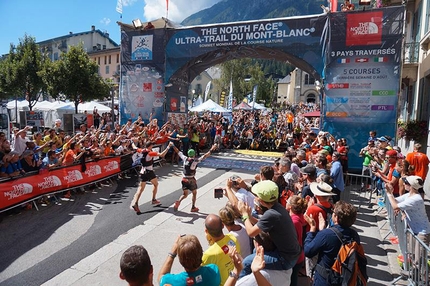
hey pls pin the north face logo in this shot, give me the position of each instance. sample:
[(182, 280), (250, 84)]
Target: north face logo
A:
[(364, 29)]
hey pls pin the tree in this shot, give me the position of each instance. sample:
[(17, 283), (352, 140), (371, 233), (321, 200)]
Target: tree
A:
[(76, 76), (21, 71), (245, 74)]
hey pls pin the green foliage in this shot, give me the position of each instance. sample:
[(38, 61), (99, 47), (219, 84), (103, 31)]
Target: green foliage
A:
[(21, 71), (76, 77), (245, 74), (413, 130)]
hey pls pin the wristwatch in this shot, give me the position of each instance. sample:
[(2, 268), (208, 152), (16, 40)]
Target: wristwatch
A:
[(233, 275)]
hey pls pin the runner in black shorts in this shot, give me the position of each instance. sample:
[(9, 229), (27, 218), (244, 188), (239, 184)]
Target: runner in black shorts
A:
[(147, 175), (188, 180)]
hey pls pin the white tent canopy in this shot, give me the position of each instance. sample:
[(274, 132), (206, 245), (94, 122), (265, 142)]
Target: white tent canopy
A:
[(89, 107), (209, 105), (198, 101), (256, 105)]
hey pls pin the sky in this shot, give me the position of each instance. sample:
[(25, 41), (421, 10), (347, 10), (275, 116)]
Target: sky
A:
[(46, 19)]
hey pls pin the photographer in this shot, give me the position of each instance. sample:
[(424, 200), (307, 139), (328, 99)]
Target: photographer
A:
[(237, 190)]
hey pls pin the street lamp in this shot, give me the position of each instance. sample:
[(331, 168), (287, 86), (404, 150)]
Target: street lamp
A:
[(114, 87)]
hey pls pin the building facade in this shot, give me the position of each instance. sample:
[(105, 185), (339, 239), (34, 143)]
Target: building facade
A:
[(297, 87)]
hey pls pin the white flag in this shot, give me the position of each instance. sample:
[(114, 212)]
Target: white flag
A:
[(119, 6), (230, 97), (208, 86), (254, 95)]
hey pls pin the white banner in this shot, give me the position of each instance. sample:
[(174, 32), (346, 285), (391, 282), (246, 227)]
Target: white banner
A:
[(230, 97), (208, 87)]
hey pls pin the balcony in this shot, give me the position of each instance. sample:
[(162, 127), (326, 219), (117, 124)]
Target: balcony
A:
[(411, 53)]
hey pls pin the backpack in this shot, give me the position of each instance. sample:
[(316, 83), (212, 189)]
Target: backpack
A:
[(329, 213), (143, 159), (349, 267)]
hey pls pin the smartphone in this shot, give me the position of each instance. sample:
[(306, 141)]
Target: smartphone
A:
[(218, 193)]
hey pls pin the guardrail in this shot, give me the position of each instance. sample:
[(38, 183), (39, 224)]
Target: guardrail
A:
[(25, 189), (414, 257), (362, 187)]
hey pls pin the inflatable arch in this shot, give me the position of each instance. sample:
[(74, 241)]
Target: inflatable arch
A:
[(356, 56)]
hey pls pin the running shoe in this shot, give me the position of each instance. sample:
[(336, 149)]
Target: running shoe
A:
[(194, 209), (155, 202), (135, 207), (175, 208)]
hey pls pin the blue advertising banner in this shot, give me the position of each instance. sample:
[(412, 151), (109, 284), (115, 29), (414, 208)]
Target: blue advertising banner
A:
[(142, 75), (363, 76)]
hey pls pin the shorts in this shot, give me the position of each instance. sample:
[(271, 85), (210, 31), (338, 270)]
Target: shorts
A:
[(189, 184), (148, 175)]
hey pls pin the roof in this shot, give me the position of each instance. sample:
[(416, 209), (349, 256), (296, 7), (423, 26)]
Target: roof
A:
[(160, 23), (286, 79), (116, 49), (71, 35)]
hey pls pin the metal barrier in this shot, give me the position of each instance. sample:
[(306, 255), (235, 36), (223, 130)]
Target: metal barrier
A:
[(359, 189), (414, 259)]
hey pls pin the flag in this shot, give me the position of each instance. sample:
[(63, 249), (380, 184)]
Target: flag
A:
[(380, 59), (119, 6), (254, 95), (167, 5), (362, 60), (343, 61), (333, 5), (230, 97), (208, 86)]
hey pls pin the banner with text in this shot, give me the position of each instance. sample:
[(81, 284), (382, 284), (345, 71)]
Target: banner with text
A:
[(363, 74), (16, 191)]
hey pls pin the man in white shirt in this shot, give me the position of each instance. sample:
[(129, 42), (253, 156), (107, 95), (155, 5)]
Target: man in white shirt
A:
[(19, 144)]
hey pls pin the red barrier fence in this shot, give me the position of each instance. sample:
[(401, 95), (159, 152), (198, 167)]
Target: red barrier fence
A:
[(22, 189)]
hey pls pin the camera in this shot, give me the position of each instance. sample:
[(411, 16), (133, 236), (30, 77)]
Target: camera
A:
[(218, 193)]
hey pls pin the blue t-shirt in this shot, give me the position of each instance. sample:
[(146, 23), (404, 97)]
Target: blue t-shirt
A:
[(207, 275)]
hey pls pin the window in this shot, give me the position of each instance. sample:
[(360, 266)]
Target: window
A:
[(55, 56), (199, 77), (105, 59), (98, 61), (110, 59), (309, 79), (117, 58), (118, 68), (107, 69)]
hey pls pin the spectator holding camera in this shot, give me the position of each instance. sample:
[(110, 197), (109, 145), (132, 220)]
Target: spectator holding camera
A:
[(276, 221), (237, 190)]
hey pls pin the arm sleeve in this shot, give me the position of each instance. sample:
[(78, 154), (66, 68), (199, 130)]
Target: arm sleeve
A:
[(153, 154), (313, 243)]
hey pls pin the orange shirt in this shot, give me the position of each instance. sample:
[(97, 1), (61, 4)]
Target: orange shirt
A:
[(420, 161), (69, 158), (108, 151)]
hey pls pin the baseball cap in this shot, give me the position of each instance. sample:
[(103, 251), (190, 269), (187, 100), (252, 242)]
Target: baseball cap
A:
[(191, 153), (382, 139), (266, 190), (391, 153), (415, 182), (321, 189), (309, 169)]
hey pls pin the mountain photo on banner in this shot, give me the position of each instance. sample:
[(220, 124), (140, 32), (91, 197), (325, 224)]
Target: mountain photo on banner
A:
[(244, 10)]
